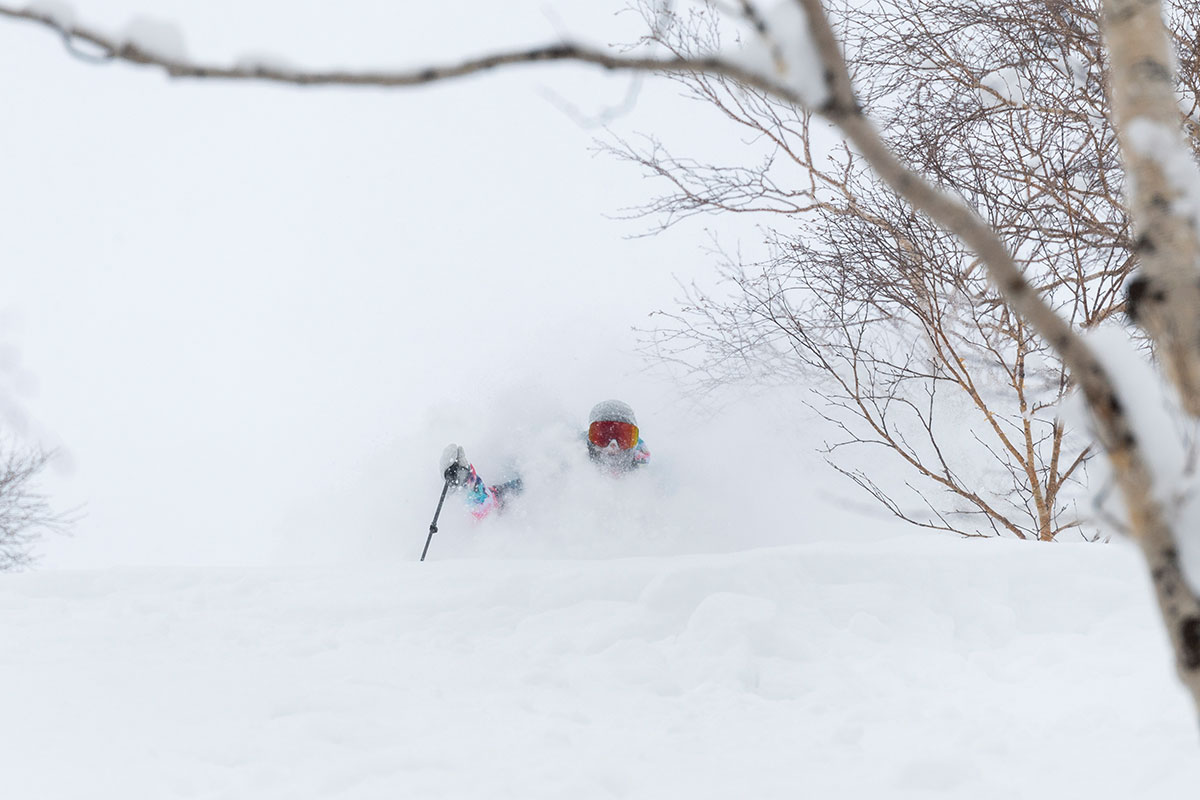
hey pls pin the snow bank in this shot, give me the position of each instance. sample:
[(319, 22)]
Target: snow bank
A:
[(910, 668)]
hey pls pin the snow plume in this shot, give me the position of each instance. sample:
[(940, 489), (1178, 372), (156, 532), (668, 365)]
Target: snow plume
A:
[(747, 477), (711, 485), (1166, 436)]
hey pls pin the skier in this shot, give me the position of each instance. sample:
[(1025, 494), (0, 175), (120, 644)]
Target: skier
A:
[(614, 445), (613, 441)]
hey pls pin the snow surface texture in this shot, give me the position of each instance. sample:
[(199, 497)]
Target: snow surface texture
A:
[(923, 667)]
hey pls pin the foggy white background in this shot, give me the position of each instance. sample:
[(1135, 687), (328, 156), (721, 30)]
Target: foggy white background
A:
[(250, 316)]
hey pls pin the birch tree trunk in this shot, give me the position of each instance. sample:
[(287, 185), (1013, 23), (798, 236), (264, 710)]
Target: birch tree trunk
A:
[(1167, 297)]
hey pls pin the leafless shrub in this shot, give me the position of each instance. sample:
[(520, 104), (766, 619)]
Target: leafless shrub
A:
[(1000, 103), (25, 514)]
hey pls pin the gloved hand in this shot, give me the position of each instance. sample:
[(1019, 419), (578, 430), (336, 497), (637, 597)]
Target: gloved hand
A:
[(454, 465)]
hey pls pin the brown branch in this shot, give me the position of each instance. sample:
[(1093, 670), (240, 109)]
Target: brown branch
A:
[(131, 52)]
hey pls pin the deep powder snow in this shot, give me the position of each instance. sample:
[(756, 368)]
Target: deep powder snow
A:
[(915, 667)]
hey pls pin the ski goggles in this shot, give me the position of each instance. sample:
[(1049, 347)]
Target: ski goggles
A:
[(625, 434)]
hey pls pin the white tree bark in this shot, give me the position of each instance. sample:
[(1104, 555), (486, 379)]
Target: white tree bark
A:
[(1168, 251)]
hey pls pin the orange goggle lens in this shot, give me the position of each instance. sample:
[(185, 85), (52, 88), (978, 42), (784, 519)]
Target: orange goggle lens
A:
[(623, 433)]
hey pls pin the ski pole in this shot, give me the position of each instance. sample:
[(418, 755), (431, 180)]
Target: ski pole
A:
[(436, 514)]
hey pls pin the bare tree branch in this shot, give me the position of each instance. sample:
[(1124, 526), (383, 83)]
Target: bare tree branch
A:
[(117, 49), (25, 514)]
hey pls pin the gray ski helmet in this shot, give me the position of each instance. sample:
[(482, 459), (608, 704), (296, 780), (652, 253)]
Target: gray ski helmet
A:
[(612, 411)]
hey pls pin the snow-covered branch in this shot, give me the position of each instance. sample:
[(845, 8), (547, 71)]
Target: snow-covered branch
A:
[(139, 46)]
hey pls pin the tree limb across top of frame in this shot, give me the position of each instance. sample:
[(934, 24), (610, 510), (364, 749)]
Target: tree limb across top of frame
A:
[(838, 103), (115, 48)]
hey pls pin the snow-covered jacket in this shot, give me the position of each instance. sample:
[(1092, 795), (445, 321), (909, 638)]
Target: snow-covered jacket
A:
[(481, 498)]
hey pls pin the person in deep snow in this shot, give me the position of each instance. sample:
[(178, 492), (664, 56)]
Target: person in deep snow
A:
[(614, 445)]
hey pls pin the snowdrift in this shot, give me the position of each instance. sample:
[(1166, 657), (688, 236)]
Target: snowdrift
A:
[(914, 667)]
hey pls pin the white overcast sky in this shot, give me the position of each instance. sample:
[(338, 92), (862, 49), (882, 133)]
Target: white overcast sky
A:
[(250, 316)]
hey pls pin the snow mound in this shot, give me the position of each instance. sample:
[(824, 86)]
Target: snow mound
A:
[(986, 669)]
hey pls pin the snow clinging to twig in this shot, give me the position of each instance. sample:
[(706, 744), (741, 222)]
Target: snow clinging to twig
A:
[(157, 37), (269, 61), (1004, 86), (787, 55), (61, 14), (1156, 141)]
